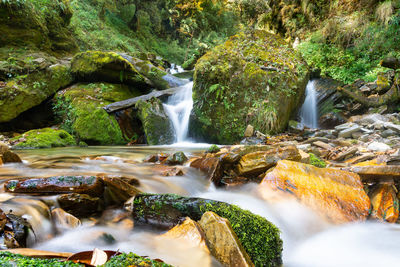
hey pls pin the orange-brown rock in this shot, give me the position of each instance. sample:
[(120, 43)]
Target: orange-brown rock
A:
[(385, 205), (3, 148), (10, 157), (336, 195), (64, 220), (256, 163), (212, 166), (379, 173), (117, 190), (189, 231), (223, 242)]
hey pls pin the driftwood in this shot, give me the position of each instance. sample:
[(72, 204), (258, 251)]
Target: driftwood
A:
[(390, 96), (132, 101)]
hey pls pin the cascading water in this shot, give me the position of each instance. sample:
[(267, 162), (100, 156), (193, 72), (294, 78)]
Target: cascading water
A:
[(178, 108), (309, 111)]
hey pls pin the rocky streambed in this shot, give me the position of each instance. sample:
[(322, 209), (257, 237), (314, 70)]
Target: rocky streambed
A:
[(267, 204)]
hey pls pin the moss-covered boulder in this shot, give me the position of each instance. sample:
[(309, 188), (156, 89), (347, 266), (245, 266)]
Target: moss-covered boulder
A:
[(43, 138), (80, 109), (98, 66), (260, 238), (156, 124), (253, 78), (41, 25), (27, 91)]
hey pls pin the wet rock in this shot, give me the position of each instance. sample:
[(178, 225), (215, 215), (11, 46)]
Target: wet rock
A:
[(249, 131), (380, 173), (79, 205), (117, 191), (363, 157), (173, 172), (330, 120), (305, 157), (259, 237), (323, 145), (10, 157), (212, 166), (190, 232), (253, 164), (223, 242), (295, 127), (63, 220), (345, 154), (57, 184), (156, 124), (389, 132), (337, 195), (3, 147), (393, 127), (385, 205), (178, 158), (377, 146), (252, 141), (16, 231), (120, 217), (368, 119), (156, 158), (346, 133)]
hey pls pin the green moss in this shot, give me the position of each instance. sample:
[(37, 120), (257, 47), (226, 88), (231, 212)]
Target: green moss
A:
[(134, 260), (8, 259), (156, 124), (243, 81), (80, 109), (25, 92), (213, 149), (316, 161), (259, 237), (43, 138)]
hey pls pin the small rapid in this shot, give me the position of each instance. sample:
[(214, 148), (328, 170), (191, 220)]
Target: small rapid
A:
[(309, 110), (178, 108)]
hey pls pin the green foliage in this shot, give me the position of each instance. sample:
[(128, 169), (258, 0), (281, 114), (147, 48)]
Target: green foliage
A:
[(134, 260), (8, 259), (213, 149), (316, 161), (43, 138)]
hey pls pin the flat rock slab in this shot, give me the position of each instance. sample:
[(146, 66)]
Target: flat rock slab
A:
[(376, 173), (90, 185)]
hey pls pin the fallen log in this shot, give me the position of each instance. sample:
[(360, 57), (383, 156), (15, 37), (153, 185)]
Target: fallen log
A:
[(132, 101)]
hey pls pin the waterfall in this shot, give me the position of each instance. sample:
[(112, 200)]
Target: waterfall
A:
[(178, 108), (309, 111)]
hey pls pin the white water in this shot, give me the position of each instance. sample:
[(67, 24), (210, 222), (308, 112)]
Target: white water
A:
[(178, 108), (309, 110)]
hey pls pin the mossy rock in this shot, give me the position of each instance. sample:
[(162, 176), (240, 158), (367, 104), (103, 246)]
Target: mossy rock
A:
[(41, 25), (98, 66), (253, 78), (156, 124), (125, 259), (27, 91), (43, 138), (260, 238), (80, 109)]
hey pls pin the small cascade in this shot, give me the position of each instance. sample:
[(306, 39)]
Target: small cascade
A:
[(309, 111), (178, 108)]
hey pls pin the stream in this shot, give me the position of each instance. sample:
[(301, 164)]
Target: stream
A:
[(308, 241)]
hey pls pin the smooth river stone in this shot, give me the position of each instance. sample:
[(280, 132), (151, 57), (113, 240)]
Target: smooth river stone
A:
[(335, 194)]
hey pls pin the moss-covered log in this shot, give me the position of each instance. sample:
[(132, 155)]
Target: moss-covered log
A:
[(391, 96), (259, 237)]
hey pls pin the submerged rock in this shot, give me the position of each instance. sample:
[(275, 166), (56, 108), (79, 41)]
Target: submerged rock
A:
[(259, 237), (337, 195), (64, 220), (117, 191), (57, 184), (178, 158), (245, 81), (156, 124), (385, 205), (9, 157), (79, 205), (43, 138), (223, 242)]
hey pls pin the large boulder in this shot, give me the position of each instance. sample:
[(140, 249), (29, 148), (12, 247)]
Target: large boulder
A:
[(246, 81), (156, 123), (98, 66), (259, 237), (25, 92), (385, 204), (43, 138), (336, 195), (80, 109)]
